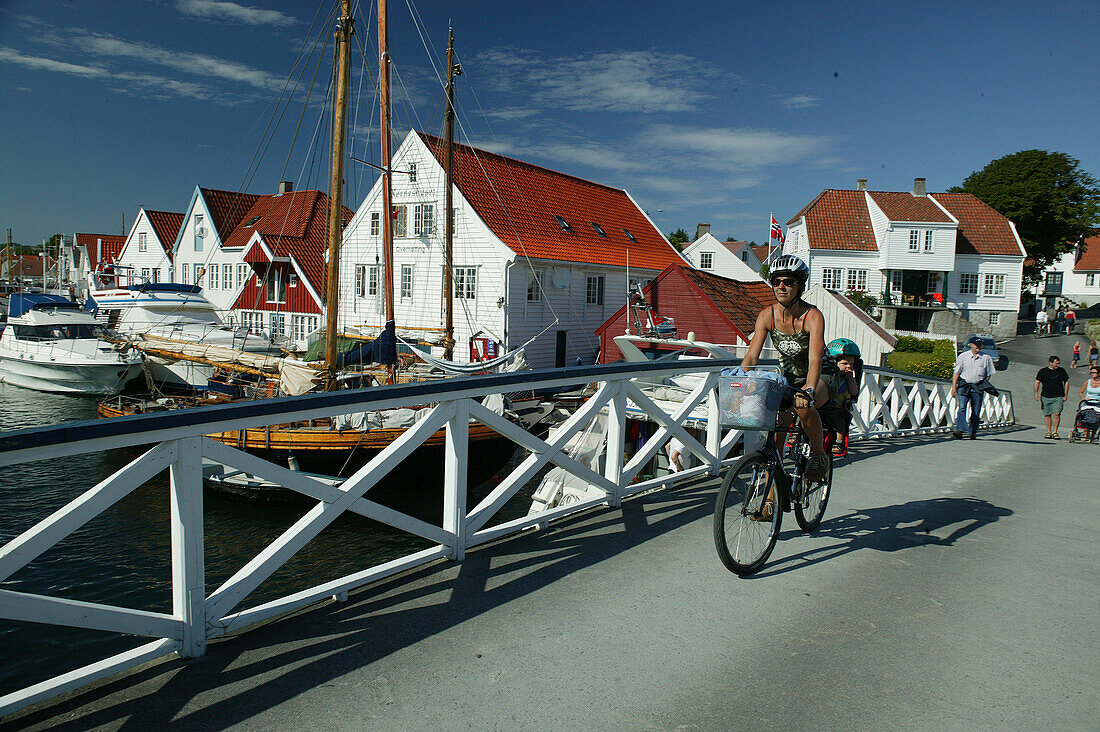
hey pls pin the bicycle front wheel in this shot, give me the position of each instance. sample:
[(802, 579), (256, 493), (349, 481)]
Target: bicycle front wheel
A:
[(811, 497), (744, 530)]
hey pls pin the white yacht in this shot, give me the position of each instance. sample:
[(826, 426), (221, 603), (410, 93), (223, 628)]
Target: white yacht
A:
[(168, 316), (52, 344)]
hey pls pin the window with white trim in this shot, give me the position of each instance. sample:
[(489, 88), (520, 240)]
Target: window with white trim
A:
[(857, 280), (406, 281), (360, 280), (227, 276), (928, 241), (143, 245), (375, 223), (278, 325), (198, 273), (968, 283), (465, 283), (706, 260), (214, 281), (292, 279), (914, 240), (593, 290), (1090, 280), (145, 274), (400, 220), (302, 325), (994, 318), (412, 172), (372, 279), (155, 274), (276, 285), (895, 280), (993, 285), (830, 278), (424, 219), (200, 232), (534, 286), (185, 274), (242, 275)]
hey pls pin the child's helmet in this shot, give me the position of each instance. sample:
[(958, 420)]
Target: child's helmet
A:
[(843, 347)]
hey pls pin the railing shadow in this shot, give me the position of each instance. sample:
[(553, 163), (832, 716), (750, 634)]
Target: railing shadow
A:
[(876, 447), (315, 646), (893, 528)]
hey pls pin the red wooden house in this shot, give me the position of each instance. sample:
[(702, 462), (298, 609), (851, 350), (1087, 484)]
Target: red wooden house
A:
[(285, 242), (717, 309)]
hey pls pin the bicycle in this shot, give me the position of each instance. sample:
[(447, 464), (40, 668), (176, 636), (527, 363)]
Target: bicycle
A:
[(743, 534)]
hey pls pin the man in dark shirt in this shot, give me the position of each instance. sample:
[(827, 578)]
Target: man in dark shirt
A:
[(1052, 380)]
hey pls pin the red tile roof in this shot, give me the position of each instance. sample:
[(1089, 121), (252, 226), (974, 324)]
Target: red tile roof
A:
[(907, 207), (519, 201), (292, 225), (166, 225), (1090, 258), (838, 220), (982, 230), (761, 252), (112, 247), (741, 302), (26, 265), (227, 208)]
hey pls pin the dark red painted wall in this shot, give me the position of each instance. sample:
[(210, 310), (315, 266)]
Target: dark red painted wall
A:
[(298, 299)]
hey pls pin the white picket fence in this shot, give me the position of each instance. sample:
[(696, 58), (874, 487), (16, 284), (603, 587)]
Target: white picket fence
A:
[(891, 403)]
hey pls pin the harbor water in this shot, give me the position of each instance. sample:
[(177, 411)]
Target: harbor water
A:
[(123, 556)]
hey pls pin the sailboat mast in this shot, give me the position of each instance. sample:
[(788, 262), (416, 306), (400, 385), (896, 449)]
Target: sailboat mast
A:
[(336, 186), (387, 188), (448, 185)]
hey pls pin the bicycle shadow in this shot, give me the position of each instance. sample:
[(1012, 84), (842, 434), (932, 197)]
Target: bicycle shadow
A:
[(936, 521)]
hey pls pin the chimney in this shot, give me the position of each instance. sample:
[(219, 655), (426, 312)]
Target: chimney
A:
[(700, 230), (918, 187), (98, 250), (285, 186), (861, 184)]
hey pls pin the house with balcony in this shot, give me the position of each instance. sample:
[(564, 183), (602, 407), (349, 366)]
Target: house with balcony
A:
[(940, 263), (541, 258), (1073, 277), (733, 260)]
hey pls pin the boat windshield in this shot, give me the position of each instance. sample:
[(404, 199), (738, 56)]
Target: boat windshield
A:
[(59, 332)]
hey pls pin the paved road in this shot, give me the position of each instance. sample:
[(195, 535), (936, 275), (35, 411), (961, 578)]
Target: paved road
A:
[(952, 585)]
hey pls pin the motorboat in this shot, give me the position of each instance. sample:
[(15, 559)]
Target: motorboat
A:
[(55, 345), (165, 317)]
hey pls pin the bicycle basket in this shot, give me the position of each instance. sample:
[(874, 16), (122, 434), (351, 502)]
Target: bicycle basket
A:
[(748, 402)]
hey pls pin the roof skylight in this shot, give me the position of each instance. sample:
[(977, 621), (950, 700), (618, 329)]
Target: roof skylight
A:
[(252, 220), (563, 223), (630, 236), (599, 231)]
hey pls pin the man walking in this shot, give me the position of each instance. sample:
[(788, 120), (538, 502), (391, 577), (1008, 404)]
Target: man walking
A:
[(974, 369), (1052, 381)]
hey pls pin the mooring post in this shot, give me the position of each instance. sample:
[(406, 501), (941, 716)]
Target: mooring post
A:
[(188, 580)]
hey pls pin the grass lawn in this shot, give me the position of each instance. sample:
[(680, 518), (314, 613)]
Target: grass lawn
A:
[(903, 361)]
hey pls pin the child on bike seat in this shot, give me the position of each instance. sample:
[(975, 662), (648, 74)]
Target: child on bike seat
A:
[(843, 385)]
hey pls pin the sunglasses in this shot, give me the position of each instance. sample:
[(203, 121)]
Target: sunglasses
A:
[(784, 282)]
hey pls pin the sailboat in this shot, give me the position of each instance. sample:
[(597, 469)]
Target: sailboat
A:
[(339, 446)]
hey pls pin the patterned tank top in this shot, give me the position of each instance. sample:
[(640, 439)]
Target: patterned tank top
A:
[(794, 353)]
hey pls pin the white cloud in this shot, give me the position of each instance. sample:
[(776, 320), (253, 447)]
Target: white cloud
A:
[(46, 64), (735, 148), (609, 81), (799, 101), (222, 10)]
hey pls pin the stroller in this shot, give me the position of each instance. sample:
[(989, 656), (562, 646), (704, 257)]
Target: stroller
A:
[(1087, 420)]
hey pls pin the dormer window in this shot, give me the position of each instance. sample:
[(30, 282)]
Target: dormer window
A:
[(706, 260), (630, 236), (563, 223), (252, 221), (599, 231)]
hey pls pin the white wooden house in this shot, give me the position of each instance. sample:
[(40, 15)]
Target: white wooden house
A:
[(940, 263), (147, 253), (1073, 277), (734, 260), (536, 253)]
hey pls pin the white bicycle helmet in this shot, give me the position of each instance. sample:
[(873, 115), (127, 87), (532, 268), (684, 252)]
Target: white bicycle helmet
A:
[(792, 266)]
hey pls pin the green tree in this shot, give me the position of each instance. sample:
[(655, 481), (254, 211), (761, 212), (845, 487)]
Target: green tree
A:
[(1053, 203), (678, 238)]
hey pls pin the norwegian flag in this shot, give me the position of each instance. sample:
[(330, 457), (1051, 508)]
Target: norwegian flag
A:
[(777, 232)]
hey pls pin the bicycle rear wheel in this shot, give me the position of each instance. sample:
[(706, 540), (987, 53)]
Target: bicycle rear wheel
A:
[(743, 536), (811, 497)]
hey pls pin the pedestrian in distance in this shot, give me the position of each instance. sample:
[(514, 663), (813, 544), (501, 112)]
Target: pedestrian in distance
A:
[(1052, 381), (1090, 393), (1052, 317), (1094, 354), (675, 455), (973, 368), (1071, 320), (1041, 322), (1059, 321), (1076, 354)]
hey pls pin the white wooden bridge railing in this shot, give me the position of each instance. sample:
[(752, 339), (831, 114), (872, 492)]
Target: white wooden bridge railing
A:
[(891, 403)]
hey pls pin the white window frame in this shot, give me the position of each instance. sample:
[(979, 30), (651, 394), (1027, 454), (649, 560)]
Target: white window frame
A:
[(401, 220), (594, 290), (857, 280), (1090, 280), (143, 243), (914, 240), (406, 281), (831, 278), (968, 283), (146, 274), (534, 285), (278, 324), (412, 172), (242, 274), (994, 318), (897, 277), (375, 223), (993, 285), (360, 280), (275, 286), (372, 280), (227, 276), (185, 274), (424, 219), (199, 232), (706, 260), (465, 283), (214, 281), (929, 243), (198, 272)]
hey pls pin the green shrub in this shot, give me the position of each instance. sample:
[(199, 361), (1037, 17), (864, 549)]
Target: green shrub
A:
[(939, 365)]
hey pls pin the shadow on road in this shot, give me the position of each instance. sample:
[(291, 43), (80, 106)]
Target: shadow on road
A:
[(864, 449), (937, 521)]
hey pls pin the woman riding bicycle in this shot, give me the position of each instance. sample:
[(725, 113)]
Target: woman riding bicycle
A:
[(797, 330)]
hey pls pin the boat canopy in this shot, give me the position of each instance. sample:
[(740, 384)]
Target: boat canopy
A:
[(21, 302)]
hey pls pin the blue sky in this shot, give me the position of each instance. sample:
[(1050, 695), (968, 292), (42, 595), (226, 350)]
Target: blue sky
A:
[(703, 111)]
